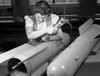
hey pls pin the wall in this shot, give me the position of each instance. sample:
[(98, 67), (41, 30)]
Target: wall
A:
[(70, 8)]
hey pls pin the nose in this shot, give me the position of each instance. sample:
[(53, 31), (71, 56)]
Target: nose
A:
[(41, 19)]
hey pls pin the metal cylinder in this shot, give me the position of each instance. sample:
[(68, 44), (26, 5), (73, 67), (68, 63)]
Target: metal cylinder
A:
[(33, 59), (68, 62)]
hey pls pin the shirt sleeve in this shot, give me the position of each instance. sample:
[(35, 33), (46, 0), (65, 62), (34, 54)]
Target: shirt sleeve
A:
[(55, 18), (28, 22)]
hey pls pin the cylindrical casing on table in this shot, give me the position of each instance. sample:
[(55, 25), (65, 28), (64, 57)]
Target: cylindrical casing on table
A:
[(35, 58), (68, 61)]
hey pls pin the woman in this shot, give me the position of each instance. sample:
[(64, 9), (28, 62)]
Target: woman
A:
[(42, 23)]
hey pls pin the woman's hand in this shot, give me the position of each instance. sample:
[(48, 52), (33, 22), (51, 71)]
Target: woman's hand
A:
[(52, 30), (45, 38)]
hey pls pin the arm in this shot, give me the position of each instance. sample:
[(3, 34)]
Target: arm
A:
[(53, 37), (30, 32)]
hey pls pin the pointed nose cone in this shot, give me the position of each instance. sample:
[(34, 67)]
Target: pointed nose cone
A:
[(56, 69)]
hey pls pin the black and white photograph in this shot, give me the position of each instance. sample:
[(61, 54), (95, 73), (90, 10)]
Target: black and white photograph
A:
[(49, 37)]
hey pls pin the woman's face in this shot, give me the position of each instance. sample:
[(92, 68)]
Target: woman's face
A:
[(40, 18)]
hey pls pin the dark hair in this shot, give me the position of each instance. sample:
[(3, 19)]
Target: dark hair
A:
[(42, 7)]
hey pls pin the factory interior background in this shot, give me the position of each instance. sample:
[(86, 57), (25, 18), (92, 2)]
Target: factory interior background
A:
[(12, 31)]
